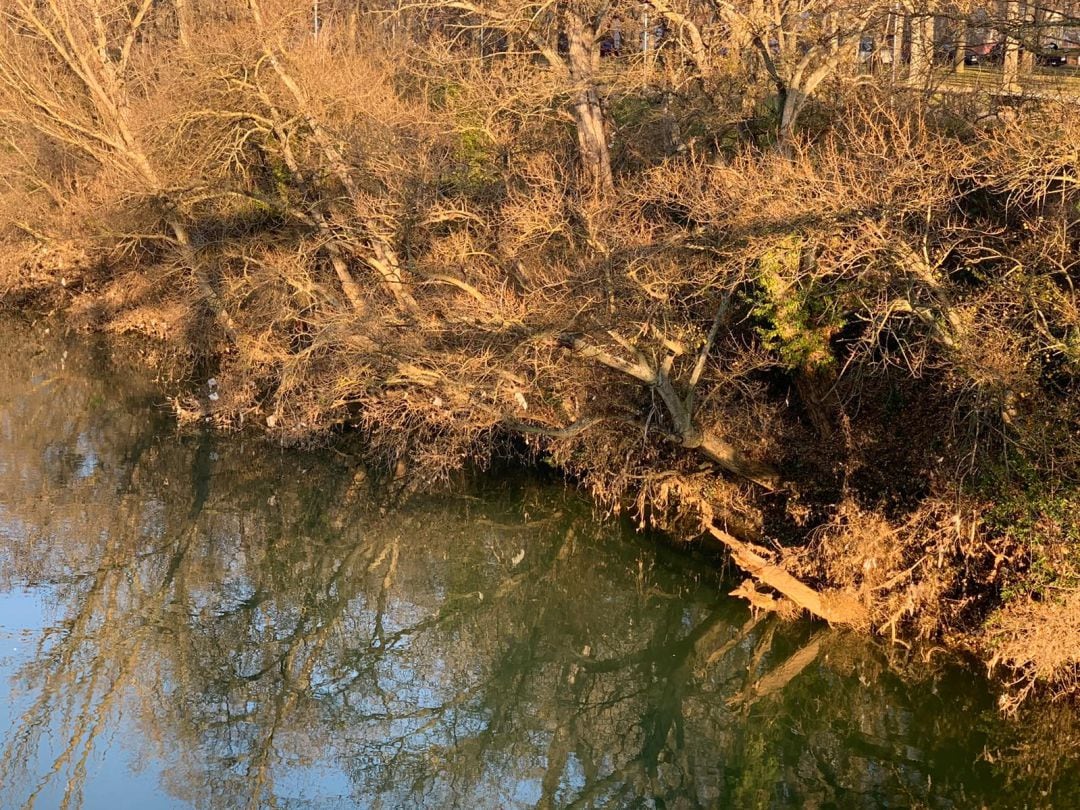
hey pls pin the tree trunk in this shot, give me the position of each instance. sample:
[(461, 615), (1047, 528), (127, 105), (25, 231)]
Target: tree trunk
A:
[(817, 392), (922, 50), (585, 107), (897, 43), (101, 73), (183, 22), (839, 610), (354, 29), (198, 271), (793, 100), (960, 47), (1029, 34), (1011, 63)]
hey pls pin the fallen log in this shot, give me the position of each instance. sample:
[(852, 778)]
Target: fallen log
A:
[(835, 609)]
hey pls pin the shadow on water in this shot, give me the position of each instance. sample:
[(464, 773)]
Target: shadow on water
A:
[(220, 624)]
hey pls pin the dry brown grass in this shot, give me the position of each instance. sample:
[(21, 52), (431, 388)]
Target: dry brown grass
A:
[(1037, 643)]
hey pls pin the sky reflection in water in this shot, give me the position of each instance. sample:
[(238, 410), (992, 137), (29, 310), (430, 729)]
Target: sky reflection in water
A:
[(197, 621)]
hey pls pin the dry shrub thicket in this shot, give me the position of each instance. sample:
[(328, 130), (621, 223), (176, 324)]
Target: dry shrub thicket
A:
[(741, 282)]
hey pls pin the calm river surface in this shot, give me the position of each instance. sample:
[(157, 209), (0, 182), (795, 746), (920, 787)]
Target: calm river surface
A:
[(191, 620)]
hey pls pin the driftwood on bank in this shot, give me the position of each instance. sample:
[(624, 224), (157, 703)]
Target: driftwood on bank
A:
[(837, 610)]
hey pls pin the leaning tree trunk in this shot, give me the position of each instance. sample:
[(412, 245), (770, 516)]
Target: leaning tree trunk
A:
[(585, 106), (793, 100)]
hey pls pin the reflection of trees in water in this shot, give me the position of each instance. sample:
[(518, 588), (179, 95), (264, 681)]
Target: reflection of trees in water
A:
[(261, 616)]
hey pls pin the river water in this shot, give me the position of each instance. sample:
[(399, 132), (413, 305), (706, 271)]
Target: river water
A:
[(196, 620)]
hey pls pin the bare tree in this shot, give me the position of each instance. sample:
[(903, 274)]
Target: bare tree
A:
[(67, 71), (800, 44), (566, 38)]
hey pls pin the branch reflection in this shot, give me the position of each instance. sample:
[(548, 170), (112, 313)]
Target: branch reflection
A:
[(261, 627)]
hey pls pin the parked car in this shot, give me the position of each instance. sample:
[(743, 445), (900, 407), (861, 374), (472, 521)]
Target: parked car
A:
[(982, 53), (1051, 58)]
